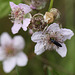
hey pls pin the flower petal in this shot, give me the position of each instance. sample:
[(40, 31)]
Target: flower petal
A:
[(37, 36), (22, 59), (2, 54), (53, 27), (9, 64), (25, 8), (5, 39), (39, 48), (18, 42), (62, 51), (31, 31), (16, 27), (67, 33), (13, 5), (26, 22)]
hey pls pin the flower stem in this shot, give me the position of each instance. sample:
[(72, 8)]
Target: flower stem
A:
[(51, 5), (17, 70)]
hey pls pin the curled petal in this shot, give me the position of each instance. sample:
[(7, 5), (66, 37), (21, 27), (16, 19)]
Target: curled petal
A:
[(67, 33), (9, 64), (16, 27), (37, 36), (5, 39), (22, 59), (25, 8), (62, 51), (18, 42), (39, 48), (26, 22)]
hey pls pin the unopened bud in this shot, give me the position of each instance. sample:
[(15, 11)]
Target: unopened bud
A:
[(38, 4)]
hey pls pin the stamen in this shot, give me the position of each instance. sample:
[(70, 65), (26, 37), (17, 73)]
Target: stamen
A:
[(17, 14)]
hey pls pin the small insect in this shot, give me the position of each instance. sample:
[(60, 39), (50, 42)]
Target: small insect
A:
[(55, 42)]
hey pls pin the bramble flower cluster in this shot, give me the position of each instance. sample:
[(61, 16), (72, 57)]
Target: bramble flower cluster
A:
[(44, 30)]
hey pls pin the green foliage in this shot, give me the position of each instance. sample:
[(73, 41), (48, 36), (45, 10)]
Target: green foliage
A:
[(27, 15), (5, 8), (51, 5)]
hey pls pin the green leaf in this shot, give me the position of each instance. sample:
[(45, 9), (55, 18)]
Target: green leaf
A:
[(28, 15), (5, 7)]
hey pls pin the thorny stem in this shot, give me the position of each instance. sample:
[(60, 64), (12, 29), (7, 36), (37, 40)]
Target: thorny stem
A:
[(51, 5)]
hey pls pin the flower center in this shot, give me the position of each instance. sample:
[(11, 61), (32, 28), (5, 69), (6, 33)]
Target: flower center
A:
[(17, 14), (10, 51)]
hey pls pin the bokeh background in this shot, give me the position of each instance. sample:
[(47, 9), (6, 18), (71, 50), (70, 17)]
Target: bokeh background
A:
[(50, 62)]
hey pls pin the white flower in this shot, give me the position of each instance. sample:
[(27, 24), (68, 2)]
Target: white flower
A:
[(52, 39), (11, 53), (19, 16)]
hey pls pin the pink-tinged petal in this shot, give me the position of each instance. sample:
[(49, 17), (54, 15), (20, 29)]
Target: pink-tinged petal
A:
[(39, 48), (5, 39), (13, 5), (67, 33), (38, 36), (62, 51), (25, 8), (31, 6), (18, 42), (22, 59), (2, 54), (26, 22), (9, 64), (16, 27), (53, 28), (31, 31)]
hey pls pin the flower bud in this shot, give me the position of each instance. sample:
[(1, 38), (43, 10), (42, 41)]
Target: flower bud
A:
[(38, 4), (49, 17), (52, 15), (55, 12)]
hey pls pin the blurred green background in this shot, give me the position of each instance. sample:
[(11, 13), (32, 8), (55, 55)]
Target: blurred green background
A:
[(50, 62)]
